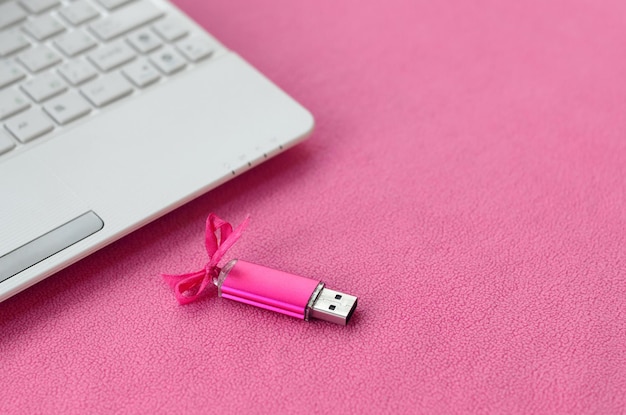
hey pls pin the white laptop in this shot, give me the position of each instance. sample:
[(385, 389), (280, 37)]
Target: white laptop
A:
[(112, 113)]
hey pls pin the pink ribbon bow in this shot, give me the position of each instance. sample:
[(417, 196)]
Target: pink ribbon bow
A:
[(218, 239)]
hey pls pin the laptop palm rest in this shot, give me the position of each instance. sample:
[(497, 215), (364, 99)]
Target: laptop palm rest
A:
[(39, 216)]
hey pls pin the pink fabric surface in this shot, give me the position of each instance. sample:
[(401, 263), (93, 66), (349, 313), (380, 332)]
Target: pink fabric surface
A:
[(465, 180)]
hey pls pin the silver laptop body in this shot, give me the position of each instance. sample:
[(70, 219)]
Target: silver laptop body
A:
[(113, 113)]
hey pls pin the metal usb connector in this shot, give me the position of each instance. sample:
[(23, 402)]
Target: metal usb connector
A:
[(333, 306)]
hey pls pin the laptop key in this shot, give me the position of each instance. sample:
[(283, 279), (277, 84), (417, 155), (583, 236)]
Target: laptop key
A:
[(38, 6), (74, 42), (79, 12), (144, 41), (112, 4), (106, 89), (12, 41), (6, 142), (111, 56), (10, 13), (39, 58), (29, 125), (141, 73), (195, 48), (78, 71), (43, 27), (170, 29), (168, 60), (125, 20), (44, 86), (11, 102), (9, 73), (68, 107)]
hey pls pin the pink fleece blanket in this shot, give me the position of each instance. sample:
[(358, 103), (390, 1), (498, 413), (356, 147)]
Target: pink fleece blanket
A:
[(465, 180)]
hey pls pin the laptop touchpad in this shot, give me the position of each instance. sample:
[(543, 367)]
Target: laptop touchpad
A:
[(39, 216)]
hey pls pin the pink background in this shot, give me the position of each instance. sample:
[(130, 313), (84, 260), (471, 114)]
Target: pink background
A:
[(465, 180)]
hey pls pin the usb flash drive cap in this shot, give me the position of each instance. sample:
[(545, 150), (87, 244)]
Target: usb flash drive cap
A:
[(333, 306)]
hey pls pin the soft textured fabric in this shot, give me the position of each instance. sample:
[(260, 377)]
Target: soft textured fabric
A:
[(465, 180)]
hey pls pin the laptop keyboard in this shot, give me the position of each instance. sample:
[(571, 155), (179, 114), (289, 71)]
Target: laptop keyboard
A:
[(62, 61)]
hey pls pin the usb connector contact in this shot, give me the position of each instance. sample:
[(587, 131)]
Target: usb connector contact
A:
[(284, 293), (333, 306)]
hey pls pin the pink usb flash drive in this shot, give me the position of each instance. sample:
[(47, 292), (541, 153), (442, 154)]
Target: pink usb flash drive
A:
[(253, 284), (284, 293)]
